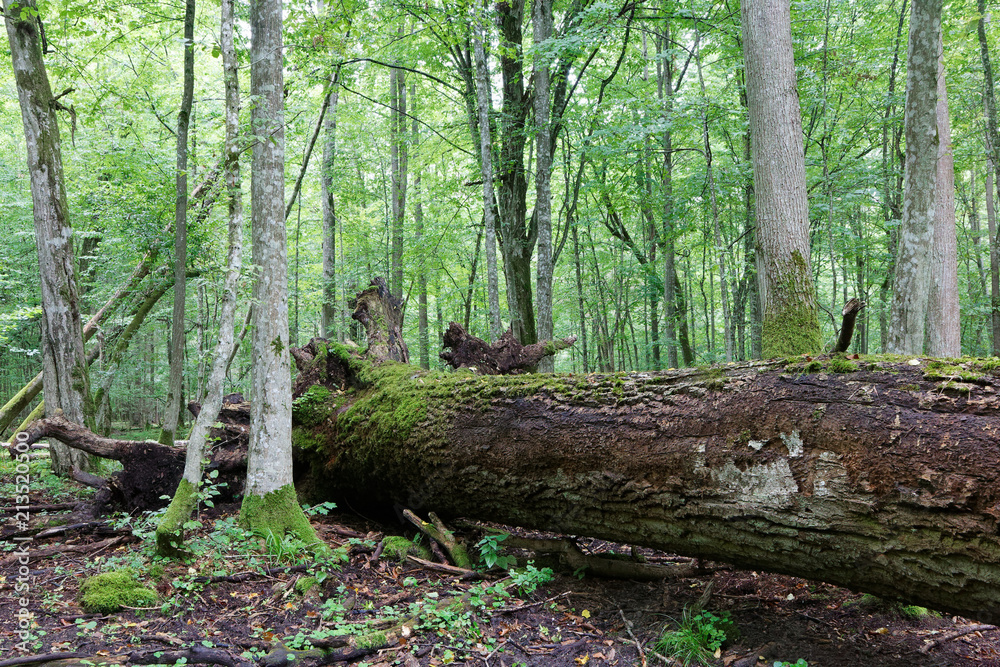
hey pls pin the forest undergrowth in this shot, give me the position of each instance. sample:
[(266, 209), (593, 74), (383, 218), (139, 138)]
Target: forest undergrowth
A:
[(380, 599)]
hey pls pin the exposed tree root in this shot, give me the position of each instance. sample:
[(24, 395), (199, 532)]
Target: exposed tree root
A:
[(506, 356)]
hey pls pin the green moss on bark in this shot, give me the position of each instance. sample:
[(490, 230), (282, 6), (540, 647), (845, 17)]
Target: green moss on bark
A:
[(278, 513), (170, 532)]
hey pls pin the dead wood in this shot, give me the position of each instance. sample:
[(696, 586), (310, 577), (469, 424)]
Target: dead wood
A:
[(574, 560), (961, 632), (88, 479), (872, 474), (850, 316), (382, 316), (506, 356), (44, 657), (150, 470), (91, 549)]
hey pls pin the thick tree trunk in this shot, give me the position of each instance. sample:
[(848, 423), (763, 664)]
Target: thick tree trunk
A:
[(784, 276), (944, 335), (881, 479), (912, 275), (66, 382)]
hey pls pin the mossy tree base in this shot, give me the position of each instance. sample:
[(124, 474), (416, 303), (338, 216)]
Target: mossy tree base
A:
[(276, 514), (170, 532)]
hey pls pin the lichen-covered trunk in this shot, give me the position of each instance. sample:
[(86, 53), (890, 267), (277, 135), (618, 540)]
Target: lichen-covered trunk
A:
[(944, 335), (912, 276), (64, 366), (879, 478), (784, 276)]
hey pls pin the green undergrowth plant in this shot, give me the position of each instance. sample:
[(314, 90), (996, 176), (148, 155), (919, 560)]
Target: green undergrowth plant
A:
[(698, 637), (491, 552), (798, 663)]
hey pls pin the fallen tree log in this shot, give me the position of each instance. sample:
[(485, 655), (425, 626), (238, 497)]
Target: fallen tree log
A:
[(876, 475)]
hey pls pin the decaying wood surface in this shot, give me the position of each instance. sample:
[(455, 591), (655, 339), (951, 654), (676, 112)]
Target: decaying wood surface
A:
[(506, 356), (880, 477)]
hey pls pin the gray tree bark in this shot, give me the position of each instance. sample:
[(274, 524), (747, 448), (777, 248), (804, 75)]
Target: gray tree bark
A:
[(65, 379), (785, 284), (399, 140), (944, 334), (328, 313), (912, 275), (175, 386), (542, 32), (269, 503), (483, 107)]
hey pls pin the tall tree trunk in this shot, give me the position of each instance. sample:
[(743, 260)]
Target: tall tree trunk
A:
[(517, 237), (170, 531), (175, 385), (784, 275), (665, 91), (269, 503), (65, 379), (720, 248), (991, 226), (944, 334), (399, 139), (328, 312), (912, 275), (542, 31), (581, 307), (993, 165), (892, 178), (483, 107), (423, 341)]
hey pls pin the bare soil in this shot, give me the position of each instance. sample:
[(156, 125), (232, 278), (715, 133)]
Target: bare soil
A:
[(219, 599)]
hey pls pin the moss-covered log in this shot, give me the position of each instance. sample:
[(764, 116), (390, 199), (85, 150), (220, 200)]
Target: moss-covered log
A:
[(878, 475)]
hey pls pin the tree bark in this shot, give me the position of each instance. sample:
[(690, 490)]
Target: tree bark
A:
[(784, 276), (912, 275), (944, 334), (483, 108), (269, 504), (762, 465), (542, 32), (993, 165), (66, 384), (399, 139), (175, 386), (170, 531)]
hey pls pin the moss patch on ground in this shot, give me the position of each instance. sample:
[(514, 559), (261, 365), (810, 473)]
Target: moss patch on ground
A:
[(276, 514), (111, 591), (398, 548)]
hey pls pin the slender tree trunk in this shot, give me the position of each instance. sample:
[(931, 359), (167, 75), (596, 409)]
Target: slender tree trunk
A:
[(542, 32), (785, 283), (64, 368), (270, 506), (328, 313), (581, 307), (170, 532), (991, 226), (720, 248), (399, 139), (175, 386), (483, 106), (423, 342), (665, 91), (892, 178), (944, 333), (992, 166), (912, 276)]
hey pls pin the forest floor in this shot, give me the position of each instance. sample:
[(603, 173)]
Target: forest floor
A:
[(222, 599)]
